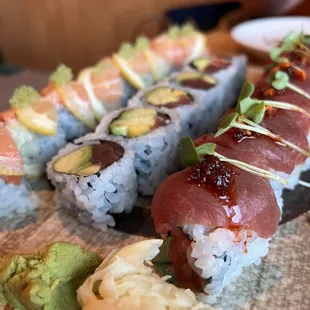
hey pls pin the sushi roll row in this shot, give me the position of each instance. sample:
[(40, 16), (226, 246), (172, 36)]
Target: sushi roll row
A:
[(187, 103), (218, 215), (41, 123)]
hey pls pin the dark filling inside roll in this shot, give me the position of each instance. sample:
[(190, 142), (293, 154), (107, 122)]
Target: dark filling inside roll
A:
[(195, 80), (168, 97), (210, 66), (137, 122), (90, 159)]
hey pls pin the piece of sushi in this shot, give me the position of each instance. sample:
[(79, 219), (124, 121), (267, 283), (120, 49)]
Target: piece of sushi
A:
[(134, 65), (179, 44), (34, 126), (153, 135), (230, 72), (176, 99), (105, 86), (76, 115), (126, 281), (94, 179), (209, 95), (219, 218), (15, 193)]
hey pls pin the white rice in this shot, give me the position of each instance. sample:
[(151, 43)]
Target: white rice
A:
[(16, 199), (219, 255), (71, 126), (94, 199), (155, 152)]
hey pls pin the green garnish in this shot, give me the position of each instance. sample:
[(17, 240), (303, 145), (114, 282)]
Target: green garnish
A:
[(62, 76), (163, 255), (173, 32), (187, 29), (254, 109), (162, 263), (289, 43), (101, 66), (126, 51), (24, 96), (142, 43), (195, 154), (235, 120), (281, 80)]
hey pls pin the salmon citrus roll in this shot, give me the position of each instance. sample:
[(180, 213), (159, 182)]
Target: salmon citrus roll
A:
[(15, 193)]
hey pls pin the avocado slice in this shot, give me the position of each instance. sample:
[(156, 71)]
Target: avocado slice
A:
[(134, 122), (161, 96), (74, 161), (195, 76), (201, 63), (88, 170), (138, 113)]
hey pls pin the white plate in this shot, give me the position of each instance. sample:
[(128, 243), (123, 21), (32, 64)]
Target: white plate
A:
[(264, 33)]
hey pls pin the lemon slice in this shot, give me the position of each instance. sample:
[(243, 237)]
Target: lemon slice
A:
[(77, 106), (97, 106), (199, 47), (40, 117), (152, 62), (130, 75)]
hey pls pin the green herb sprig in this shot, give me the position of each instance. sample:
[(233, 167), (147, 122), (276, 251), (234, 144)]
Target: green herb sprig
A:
[(281, 81), (191, 155)]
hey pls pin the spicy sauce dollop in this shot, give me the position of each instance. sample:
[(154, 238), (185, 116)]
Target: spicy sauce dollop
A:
[(216, 176)]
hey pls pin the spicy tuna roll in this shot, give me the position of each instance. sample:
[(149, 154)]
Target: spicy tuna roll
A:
[(207, 92), (217, 216), (93, 180), (230, 72), (174, 99), (153, 135)]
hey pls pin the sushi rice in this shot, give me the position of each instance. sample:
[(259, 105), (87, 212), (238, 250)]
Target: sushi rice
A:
[(95, 198), (219, 255), (17, 199), (155, 152)]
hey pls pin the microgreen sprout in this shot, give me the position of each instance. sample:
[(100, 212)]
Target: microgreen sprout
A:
[(281, 80), (191, 155), (254, 109), (235, 120)]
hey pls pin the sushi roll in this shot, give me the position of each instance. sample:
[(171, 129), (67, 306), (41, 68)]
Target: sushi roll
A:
[(179, 44), (15, 193), (153, 135), (134, 65), (230, 72), (217, 216), (94, 180), (33, 124), (127, 281), (105, 86), (165, 96), (74, 108), (208, 94)]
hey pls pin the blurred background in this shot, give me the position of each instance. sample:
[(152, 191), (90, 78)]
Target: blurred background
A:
[(40, 34)]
